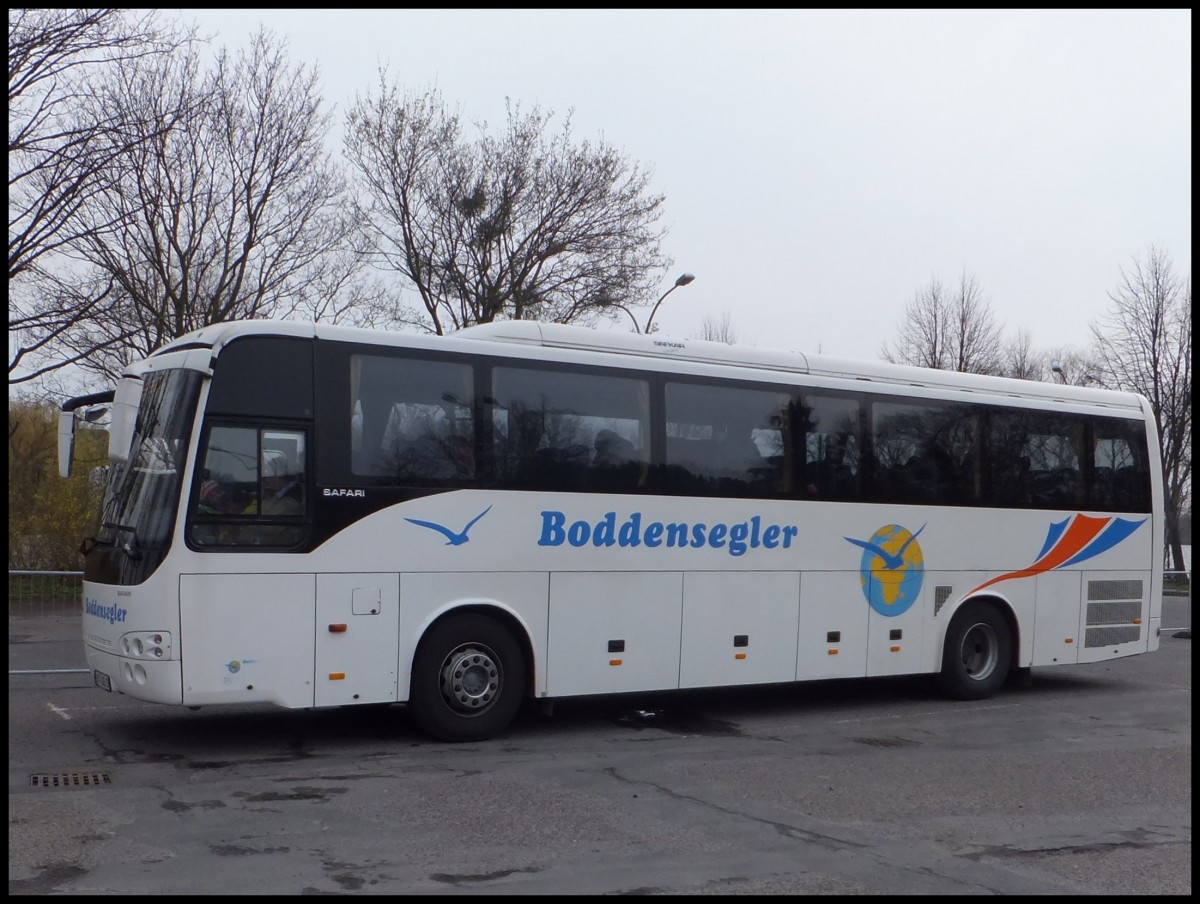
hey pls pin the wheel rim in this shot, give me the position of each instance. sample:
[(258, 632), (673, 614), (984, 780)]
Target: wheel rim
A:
[(471, 679), (980, 652)]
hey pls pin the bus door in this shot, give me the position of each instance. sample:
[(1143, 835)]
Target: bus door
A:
[(739, 627), (357, 638), (833, 626), (896, 628), (247, 638), (613, 631), (1056, 619)]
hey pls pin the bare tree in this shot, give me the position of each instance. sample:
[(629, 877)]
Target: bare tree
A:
[(949, 330), (1021, 361), (236, 212), (719, 330), (1061, 364), (519, 226), (60, 154), (1144, 344)]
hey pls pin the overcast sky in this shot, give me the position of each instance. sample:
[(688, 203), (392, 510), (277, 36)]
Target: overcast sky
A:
[(820, 167)]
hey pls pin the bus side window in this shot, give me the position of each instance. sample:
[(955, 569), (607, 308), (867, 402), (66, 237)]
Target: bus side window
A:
[(412, 420), (251, 489), (898, 431), (1121, 477), (728, 440), (831, 448), (558, 430)]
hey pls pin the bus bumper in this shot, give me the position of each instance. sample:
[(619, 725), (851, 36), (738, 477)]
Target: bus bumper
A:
[(156, 682)]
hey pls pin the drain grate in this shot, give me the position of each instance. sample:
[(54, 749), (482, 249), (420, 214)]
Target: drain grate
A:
[(70, 779)]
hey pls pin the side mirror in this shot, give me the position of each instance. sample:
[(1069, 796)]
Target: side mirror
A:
[(66, 424), (66, 442)]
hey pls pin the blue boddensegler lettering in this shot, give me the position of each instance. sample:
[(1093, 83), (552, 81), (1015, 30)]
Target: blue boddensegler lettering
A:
[(111, 614), (736, 538)]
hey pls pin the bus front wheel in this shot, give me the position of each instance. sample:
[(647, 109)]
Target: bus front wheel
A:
[(977, 654), (468, 679)]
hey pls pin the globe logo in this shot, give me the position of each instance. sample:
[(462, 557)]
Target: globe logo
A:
[(892, 569)]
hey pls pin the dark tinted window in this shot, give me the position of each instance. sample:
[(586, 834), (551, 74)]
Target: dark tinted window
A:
[(1121, 475), (251, 488), (833, 452), (263, 376), (1037, 460), (926, 452), (412, 420), (729, 440), (439, 421), (567, 430)]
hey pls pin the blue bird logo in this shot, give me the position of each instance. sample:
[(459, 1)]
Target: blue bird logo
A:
[(891, 581), (891, 561), (453, 538)]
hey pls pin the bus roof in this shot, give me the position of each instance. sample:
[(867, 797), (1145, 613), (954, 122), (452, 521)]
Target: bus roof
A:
[(557, 335), (658, 347)]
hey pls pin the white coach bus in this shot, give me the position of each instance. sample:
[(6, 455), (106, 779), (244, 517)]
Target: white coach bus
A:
[(316, 516)]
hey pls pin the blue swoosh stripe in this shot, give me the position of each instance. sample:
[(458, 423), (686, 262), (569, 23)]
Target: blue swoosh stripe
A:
[(1109, 537), (1055, 531)]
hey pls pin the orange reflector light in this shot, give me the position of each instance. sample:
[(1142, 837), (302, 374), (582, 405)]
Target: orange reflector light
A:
[(895, 649), (337, 629), (614, 662), (337, 676), (1137, 621), (739, 655), (1069, 640), (832, 652)]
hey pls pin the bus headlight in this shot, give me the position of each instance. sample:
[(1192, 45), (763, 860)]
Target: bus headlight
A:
[(146, 645)]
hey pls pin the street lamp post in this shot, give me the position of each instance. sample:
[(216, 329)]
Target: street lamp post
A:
[(683, 280), (1085, 380)]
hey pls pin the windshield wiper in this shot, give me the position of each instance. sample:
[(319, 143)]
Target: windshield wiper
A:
[(131, 548), (90, 543)]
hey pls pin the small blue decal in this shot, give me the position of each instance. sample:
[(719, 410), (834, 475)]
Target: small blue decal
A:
[(452, 538)]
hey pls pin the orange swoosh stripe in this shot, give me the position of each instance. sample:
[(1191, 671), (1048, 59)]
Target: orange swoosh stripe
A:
[(1081, 532)]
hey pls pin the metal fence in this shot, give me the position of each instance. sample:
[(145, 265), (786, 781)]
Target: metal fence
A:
[(45, 592)]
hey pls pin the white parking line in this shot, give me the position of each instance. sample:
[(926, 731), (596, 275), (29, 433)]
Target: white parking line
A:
[(61, 712)]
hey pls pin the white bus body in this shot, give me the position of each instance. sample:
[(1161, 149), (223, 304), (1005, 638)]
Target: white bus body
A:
[(459, 583)]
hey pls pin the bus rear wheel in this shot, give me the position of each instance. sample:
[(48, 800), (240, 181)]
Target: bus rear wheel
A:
[(977, 654), (468, 679)]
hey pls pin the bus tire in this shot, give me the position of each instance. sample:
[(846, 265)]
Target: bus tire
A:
[(977, 653), (468, 679)]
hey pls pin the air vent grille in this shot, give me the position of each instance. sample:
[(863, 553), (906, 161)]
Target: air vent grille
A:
[(1114, 590), (1108, 637), (941, 593)]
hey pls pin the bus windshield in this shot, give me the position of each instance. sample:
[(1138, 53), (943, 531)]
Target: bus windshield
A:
[(141, 493)]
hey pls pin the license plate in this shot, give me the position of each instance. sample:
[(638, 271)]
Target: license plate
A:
[(102, 680)]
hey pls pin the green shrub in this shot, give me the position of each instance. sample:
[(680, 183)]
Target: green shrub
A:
[(48, 517)]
